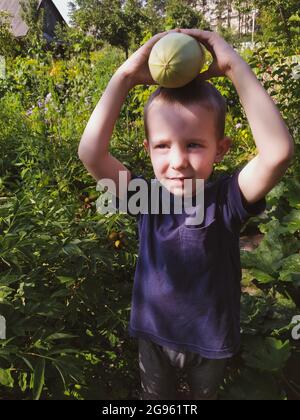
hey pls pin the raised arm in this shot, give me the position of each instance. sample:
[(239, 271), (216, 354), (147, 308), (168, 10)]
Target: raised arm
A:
[(273, 141), (94, 143), (93, 149)]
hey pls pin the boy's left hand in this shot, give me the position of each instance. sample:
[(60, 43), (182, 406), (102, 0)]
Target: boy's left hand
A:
[(225, 58)]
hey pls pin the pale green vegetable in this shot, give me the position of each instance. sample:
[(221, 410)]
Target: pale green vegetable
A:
[(175, 60)]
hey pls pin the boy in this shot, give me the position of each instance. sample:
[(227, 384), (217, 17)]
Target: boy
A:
[(186, 296)]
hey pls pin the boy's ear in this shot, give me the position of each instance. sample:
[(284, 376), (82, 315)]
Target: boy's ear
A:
[(222, 148)]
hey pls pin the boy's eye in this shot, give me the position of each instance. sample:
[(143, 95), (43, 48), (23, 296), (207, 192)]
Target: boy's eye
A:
[(193, 145)]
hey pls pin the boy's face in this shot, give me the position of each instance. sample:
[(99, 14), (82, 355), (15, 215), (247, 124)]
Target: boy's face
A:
[(182, 144)]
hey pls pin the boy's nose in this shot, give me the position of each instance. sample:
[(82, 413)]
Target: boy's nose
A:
[(178, 160)]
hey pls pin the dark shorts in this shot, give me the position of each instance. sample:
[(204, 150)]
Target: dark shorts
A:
[(160, 367)]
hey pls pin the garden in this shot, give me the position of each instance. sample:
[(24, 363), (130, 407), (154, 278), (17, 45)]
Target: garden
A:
[(66, 271)]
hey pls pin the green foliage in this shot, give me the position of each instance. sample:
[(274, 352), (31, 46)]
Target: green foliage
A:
[(258, 372), (276, 259), (65, 318), (8, 43), (154, 16), (181, 15), (65, 287), (109, 21), (279, 74), (33, 16), (279, 20), (266, 355), (70, 41)]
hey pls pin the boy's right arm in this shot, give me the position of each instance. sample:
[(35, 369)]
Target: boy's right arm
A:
[(93, 149)]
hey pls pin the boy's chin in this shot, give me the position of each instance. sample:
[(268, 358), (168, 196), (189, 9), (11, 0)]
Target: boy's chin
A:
[(180, 192)]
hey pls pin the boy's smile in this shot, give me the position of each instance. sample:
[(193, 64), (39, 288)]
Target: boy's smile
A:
[(183, 144)]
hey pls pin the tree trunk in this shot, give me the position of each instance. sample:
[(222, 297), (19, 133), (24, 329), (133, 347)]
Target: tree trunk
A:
[(228, 14), (285, 25)]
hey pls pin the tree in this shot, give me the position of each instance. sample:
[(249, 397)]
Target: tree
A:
[(154, 11), (179, 14), (136, 21), (8, 43), (115, 21), (244, 8), (279, 19), (34, 18)]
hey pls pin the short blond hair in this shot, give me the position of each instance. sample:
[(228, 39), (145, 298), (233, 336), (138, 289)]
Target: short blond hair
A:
[(196, 92)]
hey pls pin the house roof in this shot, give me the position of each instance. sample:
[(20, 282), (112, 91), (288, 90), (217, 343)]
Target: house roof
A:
[(19, 27)]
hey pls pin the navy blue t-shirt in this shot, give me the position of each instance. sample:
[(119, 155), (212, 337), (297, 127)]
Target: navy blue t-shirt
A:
[(186, 292)]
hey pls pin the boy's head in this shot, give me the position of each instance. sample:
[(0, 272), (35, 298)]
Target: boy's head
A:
[(184, 130)]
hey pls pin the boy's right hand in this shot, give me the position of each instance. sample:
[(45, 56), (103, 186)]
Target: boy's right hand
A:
[(136, 68)]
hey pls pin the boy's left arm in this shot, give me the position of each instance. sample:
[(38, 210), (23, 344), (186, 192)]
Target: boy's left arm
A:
[(274, 143)]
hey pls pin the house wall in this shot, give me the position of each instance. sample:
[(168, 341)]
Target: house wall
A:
[(19, 27)]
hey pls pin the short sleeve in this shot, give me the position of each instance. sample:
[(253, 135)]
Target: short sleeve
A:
[(234, 207)]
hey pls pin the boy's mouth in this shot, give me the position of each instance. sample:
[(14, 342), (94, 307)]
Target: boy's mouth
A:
[(179, 178)]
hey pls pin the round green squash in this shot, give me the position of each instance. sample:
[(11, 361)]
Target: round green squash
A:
[(175, 60)]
